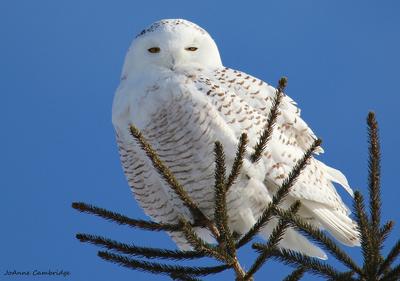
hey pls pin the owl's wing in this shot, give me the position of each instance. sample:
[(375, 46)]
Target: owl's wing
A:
[(259, 95), (244, 102), (291, 133)]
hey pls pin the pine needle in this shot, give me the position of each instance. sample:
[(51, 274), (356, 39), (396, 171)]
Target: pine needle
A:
[(134, 250), (124, 220), (238, 162), (221, 216), (391, 257), (295, 275), (312, 265), (271, 120), (159, 268), (273, 241)]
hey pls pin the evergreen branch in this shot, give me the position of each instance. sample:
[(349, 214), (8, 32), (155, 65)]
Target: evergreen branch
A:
[(134, 250), (391, 257), (374, 173), (220, 192), (159, 268), (238, 162), (221, 216), (321, 239), (271, 120), (393, 275), (276, 236), (386, 229), (296, 275), (124, 220), (273, 241), (374, 192), (168, 176), (182, 277), (364, 230), (279, 195), (199, 245), (312, 265), (219, 253)]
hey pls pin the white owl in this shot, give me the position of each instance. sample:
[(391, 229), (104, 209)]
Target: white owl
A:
[(175, 89)]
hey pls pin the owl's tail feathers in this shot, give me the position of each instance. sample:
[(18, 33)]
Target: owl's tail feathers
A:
[(294, 241), (338, 177), (338, 224)]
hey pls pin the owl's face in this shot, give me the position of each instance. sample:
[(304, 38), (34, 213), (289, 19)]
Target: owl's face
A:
[(171, 45)]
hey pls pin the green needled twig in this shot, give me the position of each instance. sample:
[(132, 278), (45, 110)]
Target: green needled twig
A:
[(124, 220), (134, 250), (158, 268), (271, 120)]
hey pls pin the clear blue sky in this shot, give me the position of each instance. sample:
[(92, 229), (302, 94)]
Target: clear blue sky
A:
[(60, 64)]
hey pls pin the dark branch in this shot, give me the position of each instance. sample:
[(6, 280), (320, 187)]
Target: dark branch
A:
[(221, 216), (374, 173), (365, 234), (295, 275), (159, 268), (134, 250), (182, 277), (271, 120), (275, 237), (199, 245), (391, 257), (386, 229), (393, 275), (374, 192), (238, 162), (312, 265), (123, 220)]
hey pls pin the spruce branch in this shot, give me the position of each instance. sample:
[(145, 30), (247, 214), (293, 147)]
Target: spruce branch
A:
[(391, 257), (374, 192), (146, 252), (124, 220), (271, 120), (312, 265), (386, 229), (238, 162), (159, 268), (221, 216), (365, 233), (183, 277), (393, 275), (374, 173), (296, 274), (279, 195), (199, 245), (273, 241)]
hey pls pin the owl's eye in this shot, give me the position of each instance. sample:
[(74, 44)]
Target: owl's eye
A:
[(154, 50), (192, 49)]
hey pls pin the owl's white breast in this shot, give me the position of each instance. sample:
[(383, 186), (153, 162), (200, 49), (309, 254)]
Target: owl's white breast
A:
[(138, 97)]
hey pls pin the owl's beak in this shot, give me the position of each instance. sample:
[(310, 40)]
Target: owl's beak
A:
[(173, 62)]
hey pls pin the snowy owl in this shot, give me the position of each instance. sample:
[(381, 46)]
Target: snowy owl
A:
[(175, 89)]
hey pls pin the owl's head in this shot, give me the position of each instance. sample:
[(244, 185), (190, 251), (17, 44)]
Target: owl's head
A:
[(171, 44)]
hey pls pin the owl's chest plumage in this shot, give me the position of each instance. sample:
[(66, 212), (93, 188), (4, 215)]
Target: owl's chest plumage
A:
[(185, 119)]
